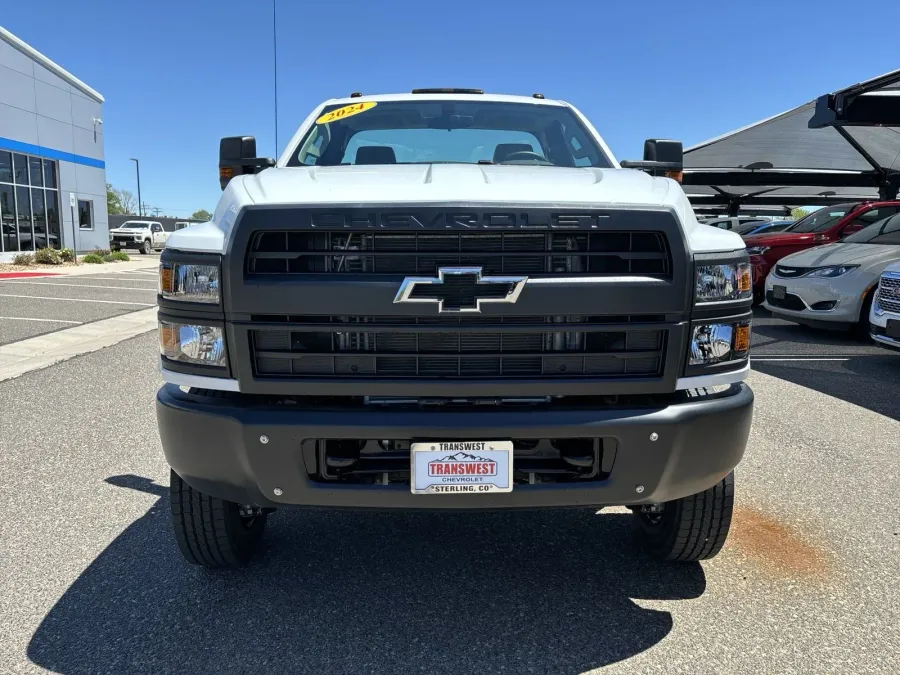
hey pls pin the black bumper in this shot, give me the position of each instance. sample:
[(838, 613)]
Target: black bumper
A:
[(214, 445)]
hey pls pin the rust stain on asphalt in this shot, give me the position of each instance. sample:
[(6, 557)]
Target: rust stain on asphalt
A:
[(777, 547)]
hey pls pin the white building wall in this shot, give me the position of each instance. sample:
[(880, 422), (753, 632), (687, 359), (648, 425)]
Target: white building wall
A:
[(46, 115)]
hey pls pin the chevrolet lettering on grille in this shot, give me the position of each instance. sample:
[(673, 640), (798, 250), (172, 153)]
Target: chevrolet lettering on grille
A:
[(460, 289)]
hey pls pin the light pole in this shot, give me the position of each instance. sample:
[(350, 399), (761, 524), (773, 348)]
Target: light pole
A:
[(137, 167), (275, 67)]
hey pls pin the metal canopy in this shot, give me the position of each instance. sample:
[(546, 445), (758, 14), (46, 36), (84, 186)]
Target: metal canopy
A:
[(875, 102), (807, 149)]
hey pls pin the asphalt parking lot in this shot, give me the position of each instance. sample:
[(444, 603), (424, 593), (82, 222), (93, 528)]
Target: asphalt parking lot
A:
[(92, 581), (40, 305)]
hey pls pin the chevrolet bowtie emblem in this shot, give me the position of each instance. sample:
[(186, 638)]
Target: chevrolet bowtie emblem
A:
[(460, 289)]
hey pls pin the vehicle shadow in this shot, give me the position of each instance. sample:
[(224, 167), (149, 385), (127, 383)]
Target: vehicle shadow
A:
[(374, 592), (868, 381), (767, 334)]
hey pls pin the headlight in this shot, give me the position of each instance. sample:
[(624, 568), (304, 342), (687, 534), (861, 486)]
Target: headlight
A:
[(830, 272), (722, 282), (757, 250), (185, 343), (190, 283), (718, 343)]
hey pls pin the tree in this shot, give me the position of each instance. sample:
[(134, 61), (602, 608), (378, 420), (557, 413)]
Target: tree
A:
[(202, 214), (119, 202), (798, 213), (113, 202)]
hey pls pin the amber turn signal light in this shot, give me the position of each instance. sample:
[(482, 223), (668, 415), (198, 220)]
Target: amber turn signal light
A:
[(742, 338)]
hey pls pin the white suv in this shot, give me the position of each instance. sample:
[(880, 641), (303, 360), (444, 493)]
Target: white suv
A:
[(884, 319)]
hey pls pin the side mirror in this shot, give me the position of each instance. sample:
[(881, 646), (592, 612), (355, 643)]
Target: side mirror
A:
[(661, 158), (237, 155)]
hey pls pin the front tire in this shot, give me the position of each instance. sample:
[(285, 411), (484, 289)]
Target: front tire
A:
[(146, 247), (212, 532), (861, 328), (688, 529)]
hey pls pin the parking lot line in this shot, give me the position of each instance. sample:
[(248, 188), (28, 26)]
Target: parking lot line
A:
[(114, 288), (139, 281), (104, 302), (24, 318), (814, 358)]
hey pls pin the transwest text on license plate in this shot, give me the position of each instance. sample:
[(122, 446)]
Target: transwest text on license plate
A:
[(476, 467)]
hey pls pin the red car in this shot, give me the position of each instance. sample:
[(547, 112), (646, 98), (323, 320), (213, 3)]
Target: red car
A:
[(824, 226)]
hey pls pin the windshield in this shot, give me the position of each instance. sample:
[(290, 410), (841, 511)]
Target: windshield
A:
[(821, 219), (885, 231), (743, 228), (462, 132), (132, 226)]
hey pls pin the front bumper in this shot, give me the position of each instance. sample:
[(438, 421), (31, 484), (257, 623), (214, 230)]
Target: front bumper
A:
[(877, 329), (760, 268), (126, 243), (847, 295), (214, 444)]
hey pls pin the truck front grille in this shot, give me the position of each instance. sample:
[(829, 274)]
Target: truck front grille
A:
[(459, 347), (511, 252), (889, 294)]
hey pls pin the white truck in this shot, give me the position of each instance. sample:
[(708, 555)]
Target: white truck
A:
[(452, 300), (144, 235), (884, 316)]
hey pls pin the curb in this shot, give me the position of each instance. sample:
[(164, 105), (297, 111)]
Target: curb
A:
[(24, 275)]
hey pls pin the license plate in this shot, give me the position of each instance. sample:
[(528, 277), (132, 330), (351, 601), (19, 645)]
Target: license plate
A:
[(779, 291), (476, 467), (892, 330)]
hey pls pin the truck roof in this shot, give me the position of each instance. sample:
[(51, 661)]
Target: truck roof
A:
[(501, 98)]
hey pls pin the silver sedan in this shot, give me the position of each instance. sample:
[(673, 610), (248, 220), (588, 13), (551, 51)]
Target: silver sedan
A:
[(831, 286)]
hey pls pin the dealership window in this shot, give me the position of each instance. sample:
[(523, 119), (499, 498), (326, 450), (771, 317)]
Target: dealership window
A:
[(85, 214), (29, 203)]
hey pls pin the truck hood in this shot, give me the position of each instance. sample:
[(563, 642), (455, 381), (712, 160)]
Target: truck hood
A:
[(842, 254), (461, 183), (780, 239), (129, 230)]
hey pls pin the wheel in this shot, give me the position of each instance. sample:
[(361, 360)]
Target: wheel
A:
[(861, 327), (688, 529), (146, 247), (213, 532)]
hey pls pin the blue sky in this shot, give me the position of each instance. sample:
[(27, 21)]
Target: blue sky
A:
[(178, 75)]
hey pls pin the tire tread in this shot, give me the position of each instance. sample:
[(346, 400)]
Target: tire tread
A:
[(206, 528), (696, 527)]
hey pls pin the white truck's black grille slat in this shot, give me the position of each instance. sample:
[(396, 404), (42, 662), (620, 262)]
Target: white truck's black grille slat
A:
[(423, 253), (343, 347)]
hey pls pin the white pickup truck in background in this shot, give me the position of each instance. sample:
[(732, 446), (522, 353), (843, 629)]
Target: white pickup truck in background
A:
[(143, 235)]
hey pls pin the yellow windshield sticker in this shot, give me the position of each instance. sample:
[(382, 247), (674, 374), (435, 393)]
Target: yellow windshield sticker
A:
[(346, 111)]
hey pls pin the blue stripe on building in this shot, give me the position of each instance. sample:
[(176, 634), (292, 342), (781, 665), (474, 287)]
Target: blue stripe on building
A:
[(49, 153)]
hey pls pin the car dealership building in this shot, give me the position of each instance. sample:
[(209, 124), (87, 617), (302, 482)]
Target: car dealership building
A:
[(52, 171)]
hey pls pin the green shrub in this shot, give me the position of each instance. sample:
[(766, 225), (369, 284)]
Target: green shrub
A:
[(47, 256), (92, 259), (24, 259), (100, 251), (119, 256), (67, 255)]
